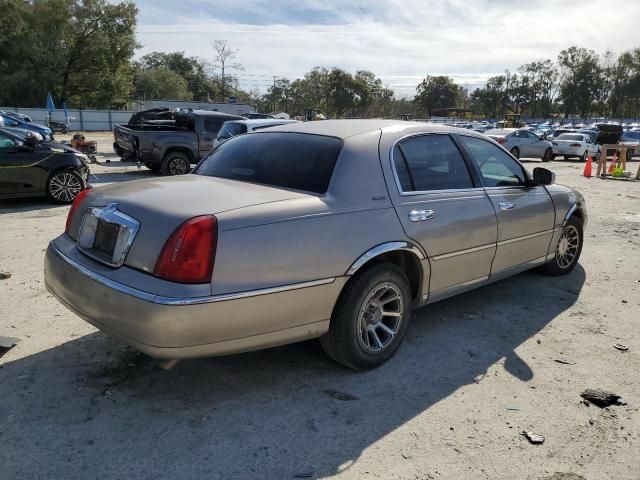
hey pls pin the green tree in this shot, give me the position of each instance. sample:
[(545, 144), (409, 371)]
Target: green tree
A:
[(582, 80), (160, 83), (437, 92), (80, 50)]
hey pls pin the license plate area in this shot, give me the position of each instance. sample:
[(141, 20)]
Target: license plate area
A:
[(107, 234)]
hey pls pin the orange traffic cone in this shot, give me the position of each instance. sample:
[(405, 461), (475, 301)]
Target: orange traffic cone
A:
[(587, 167), (614, 162)]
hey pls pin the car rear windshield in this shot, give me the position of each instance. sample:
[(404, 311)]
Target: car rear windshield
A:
[(280, 159), (569, 136)]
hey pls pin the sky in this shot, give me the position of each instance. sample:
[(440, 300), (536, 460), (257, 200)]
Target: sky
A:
[(401, 41)]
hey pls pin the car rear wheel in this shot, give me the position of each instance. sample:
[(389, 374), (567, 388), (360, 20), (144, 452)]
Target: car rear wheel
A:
[(175, 163), (64, 187), (548, 155), (370, 318), (515, 151), (567, 251), (583, 158)]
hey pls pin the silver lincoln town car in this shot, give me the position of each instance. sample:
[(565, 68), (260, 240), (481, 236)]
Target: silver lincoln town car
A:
[(332, 229)]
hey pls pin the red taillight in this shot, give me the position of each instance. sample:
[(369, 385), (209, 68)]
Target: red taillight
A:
[(74, 207), (189, 254), (575, 145), (501, 141)]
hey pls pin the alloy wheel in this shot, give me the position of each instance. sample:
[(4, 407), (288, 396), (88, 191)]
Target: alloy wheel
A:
[(380, 317), (65, 186), (567, 249), (177, 166)]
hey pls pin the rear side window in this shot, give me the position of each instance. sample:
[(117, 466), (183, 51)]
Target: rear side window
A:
[(231, 129), (289, 160), (185, 122), (213, 124), (430, 162)]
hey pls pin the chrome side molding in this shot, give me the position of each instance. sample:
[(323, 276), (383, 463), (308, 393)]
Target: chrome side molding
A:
[(384, 248)]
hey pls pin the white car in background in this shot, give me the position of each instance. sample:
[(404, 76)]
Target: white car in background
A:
[(232, 128), (572, 145), (522, 143)]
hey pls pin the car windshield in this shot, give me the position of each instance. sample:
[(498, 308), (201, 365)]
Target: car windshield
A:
[(569, 136), (231, 129), (280, 159)]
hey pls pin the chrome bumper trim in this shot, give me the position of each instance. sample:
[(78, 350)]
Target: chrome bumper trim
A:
[(150, 297)]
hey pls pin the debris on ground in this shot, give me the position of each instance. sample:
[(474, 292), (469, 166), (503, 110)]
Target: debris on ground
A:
[(343, 396), (621, 347), (565, 361), (407, 455), (513, 407), (5, 275), (534, 438), (601, 398)]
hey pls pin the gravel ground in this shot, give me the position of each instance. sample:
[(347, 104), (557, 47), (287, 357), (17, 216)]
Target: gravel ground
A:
[(475, 371)]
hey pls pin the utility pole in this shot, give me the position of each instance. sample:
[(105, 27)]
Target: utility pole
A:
[(274, 94)]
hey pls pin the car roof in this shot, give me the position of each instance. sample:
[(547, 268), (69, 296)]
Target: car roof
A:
[(348, 128)]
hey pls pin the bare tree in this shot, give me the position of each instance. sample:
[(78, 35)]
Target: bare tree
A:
[(224, 61)]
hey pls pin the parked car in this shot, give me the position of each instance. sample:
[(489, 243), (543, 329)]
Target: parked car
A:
[(21, 116), (522, 143), (632, 139), (171, 148), (233, 128), (32, 169), (11, 120), (22, 133), (333, 229), (572, 145)]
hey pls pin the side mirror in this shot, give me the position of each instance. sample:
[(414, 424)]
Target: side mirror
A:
[(543, 176)]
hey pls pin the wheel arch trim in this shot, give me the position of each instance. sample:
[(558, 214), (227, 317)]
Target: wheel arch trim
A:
[(381, 249)]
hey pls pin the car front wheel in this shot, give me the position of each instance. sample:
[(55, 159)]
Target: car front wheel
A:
[(64, 187), (548, 155), (567, 251), (515, 151), (370, 318)]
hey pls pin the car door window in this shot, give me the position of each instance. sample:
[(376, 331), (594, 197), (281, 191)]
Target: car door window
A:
[(497, 168), (430, 162)]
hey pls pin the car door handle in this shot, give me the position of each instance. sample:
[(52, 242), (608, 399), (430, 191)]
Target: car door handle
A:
[(421, 215), (507, 205)]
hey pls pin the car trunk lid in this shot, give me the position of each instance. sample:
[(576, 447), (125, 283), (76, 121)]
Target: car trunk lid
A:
[(161, 205)]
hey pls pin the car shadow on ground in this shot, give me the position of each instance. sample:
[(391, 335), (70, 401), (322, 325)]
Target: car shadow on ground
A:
[(91, 407), (97, 179), (18, 205)]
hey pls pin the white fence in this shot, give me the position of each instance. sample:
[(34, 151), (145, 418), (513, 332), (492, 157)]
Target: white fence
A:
[(83, 120)]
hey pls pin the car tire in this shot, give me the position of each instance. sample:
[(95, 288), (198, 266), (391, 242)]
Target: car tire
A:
[(64, 186), (566, 157), (584, 156), (360, 335), (515, 151), (175, 163), (154, 167), (567, 251), (548, 155)]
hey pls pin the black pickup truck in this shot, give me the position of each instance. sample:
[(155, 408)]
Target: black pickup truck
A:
[(170, 148)]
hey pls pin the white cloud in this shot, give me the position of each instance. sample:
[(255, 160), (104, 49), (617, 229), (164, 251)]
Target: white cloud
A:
[(399, 40)]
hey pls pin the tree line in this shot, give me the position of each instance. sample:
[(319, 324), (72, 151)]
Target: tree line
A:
[(82, 51)]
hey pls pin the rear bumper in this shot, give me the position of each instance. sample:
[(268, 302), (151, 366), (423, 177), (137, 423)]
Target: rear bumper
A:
[(168, 327)]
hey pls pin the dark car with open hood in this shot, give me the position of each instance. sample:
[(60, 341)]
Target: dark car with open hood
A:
[(32, 169)]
